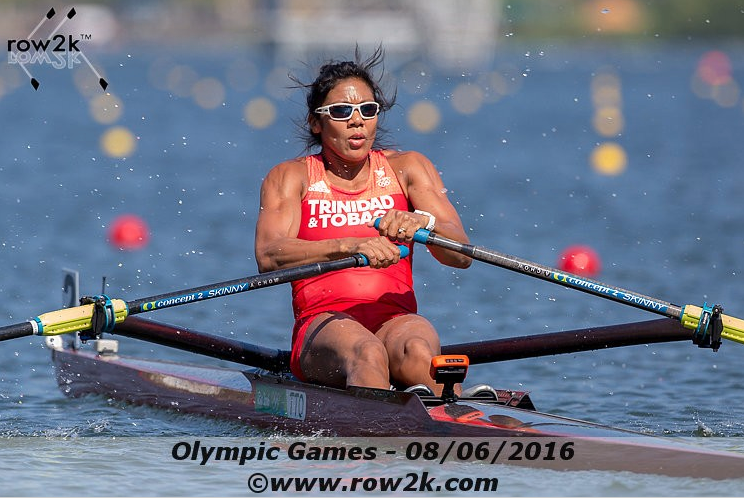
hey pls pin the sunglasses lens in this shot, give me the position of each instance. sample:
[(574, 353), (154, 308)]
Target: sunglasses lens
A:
[(368, 110), (340, 111)]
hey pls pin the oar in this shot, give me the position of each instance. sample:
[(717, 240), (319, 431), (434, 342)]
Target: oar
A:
[(101, 314), (572, 341), (708, 322)]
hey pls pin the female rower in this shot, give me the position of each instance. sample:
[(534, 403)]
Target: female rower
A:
[(358, 326)]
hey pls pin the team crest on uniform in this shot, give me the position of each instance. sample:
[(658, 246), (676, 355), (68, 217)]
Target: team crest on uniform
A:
[(319, 187), (382, 180)]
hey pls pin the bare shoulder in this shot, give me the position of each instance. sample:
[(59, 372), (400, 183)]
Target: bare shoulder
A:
[(406, 158), (291, 174), (411, 166), (292, 167)]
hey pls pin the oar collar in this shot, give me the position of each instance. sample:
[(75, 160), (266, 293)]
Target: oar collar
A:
[(710, 326), (103, 318)]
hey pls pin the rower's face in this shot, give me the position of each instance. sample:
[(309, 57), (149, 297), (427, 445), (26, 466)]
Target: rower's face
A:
[(350, 139)]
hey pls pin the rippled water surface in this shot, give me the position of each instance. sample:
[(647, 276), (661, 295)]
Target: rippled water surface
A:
[(518, 169)]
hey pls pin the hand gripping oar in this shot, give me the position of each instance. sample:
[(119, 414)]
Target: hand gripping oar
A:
[(100, 313), (708, 322)]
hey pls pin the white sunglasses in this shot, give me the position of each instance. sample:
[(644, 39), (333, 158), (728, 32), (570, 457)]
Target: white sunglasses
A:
[(342, 112)]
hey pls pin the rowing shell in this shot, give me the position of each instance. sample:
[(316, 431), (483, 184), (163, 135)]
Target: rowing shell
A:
[(281, 403)]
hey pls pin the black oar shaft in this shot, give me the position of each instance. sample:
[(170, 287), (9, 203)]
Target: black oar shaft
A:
[(236, 286), (551, 275), (201, 343), (81, 318), (16, 331), (573, 341)]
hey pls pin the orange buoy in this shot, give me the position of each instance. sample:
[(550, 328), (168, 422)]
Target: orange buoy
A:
[(580, 260), (129, 232)]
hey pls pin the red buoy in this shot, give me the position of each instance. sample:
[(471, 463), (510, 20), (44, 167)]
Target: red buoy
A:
[(129, 232), (580, 260)]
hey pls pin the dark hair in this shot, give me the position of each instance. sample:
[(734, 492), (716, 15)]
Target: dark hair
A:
[(329, 75)]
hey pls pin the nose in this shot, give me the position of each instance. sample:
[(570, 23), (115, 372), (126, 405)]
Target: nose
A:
[(356, 115)]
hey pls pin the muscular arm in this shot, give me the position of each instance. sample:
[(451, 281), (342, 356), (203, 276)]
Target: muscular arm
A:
[(426, 192), (276, 242)]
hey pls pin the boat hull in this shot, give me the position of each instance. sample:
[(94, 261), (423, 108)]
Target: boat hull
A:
[(264, 400), (282, 404)]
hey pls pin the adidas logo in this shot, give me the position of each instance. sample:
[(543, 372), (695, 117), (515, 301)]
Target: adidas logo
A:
[(319, 187)]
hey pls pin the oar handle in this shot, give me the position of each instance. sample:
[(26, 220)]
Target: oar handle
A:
[(420, 236)]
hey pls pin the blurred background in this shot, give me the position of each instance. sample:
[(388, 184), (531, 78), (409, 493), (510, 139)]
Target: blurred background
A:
[(614, 125)]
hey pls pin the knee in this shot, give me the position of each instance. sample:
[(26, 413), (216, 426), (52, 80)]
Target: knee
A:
[(419, 349), (370, 353)]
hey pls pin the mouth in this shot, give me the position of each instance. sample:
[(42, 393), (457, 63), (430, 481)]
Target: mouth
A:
[(357, 140)]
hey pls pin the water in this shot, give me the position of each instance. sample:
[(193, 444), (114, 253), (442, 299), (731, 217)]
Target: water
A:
[(517, 169)]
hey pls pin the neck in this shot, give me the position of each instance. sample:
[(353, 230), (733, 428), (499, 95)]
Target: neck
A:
[(344, 169)]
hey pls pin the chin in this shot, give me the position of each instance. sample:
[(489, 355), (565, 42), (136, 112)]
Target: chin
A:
[(358, 154)]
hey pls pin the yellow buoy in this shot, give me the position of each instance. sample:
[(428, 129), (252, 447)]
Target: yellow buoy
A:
[(609, 158), (118, 142)]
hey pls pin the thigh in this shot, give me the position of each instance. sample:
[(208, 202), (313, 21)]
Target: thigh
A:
[(330, 341)]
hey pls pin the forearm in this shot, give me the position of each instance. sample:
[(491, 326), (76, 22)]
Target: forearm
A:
[(289, 252), (450, 258)]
